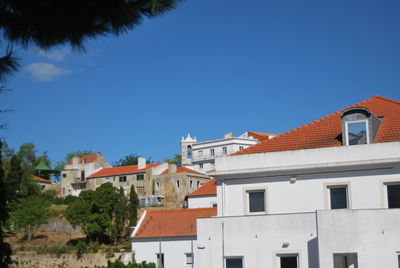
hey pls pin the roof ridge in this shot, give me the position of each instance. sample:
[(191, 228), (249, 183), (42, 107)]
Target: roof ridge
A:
[(306, 125), (177, 209), (387, 99)]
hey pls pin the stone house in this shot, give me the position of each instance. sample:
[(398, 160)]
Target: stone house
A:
[(174, 183), (76, 171)]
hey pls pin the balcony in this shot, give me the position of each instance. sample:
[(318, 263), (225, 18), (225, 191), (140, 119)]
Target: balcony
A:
[(206, 157)]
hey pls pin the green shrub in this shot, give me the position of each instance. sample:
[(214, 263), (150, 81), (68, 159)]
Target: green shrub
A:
[(58, 251)]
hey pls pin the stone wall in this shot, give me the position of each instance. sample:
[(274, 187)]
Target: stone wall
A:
[(31, 259), (57, 224)]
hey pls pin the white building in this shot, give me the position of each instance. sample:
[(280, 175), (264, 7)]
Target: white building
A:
[(204, 197), (168, 237), (326, 194), (201, 156)]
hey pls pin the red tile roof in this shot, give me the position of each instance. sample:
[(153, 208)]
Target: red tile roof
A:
[(89, 159), (209, 188), (326, 131), (260, 135), (174, 222), (36, 178), (114, 171), (181, 170)]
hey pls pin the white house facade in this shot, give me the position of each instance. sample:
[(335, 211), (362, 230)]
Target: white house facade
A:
[(326, 194), (201, 156)]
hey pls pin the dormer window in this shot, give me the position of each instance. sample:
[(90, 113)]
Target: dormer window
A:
[(359, 126), (357, 132)]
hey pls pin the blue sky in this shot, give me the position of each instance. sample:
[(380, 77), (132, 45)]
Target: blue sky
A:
[(206, 68)]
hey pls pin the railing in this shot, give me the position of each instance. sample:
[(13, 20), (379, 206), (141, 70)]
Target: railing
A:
[(209, 156)]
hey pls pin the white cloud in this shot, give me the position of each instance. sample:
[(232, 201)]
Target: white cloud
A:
[(44, 72), (57, 55)]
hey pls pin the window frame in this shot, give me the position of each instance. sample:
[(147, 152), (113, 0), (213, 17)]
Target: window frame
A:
[(234, 257), (186, 256), (346, 130), (284, 253), (212, 152), (141, 176), (328, 186), (158, 260), (123, 180), (345, 254), (224, 150), (384, 191), (246, 199)]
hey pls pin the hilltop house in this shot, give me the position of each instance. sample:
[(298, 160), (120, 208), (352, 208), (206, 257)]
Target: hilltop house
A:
[(73, 177), (201, 156), (325, 194)]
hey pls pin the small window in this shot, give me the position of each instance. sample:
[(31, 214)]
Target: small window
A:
[(346, 260), (140, 189), (160, 260), (84, 160), (122, 179), (64, 175), (140, 177), (107, 178), (200, 154), (212, 152), (188, 258), (338, 197), (393, 194), (191, 183), (82, 175), (201, 166), (198, 184), (214, 205), (288, 261), (224, 150), (256, 201), (157, 186), (177, 184), (241, 148), (189, 152), (357, 132), (234, 262)]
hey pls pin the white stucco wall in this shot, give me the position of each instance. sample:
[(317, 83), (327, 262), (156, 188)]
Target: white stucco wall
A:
[(258, 239), (206, 201), (366, 189), (373, 234), (174, 250)]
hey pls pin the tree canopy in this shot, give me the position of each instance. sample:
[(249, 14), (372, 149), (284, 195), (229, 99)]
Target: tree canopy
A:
[(130, 159), (47, 24)]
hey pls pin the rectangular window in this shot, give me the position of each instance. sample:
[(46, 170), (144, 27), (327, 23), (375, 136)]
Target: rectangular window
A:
[(346, 260), (234, 262), (212, 152), (198, 184), (201, 166), (224, 150), (140, 189), (82, 175), (288, 261), (188, 258), (122, 179), (140, 177), (200, 154), (191, 183), (338, 197), (177, 184), (64, 175), (256, 201), (160, 260), (241, 148), (393, 194), (398, 259), (356, 132)]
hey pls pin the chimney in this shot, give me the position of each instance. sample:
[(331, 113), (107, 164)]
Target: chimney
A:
[(229, 135), (171, 168), (141, 162), (75, 160)]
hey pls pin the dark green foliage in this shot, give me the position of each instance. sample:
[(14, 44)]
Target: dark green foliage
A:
[(128, 160), (95, 212), (119, 264), (28, 214), (177, 160), (5, 249), (121, 214), (14, 177), (133, 206), (8, 64), (58, 251)]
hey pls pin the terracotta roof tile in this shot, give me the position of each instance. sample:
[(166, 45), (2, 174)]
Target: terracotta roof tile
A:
[(181, 170), (326, 131), (208, 188), (36, 178), (260, 135), (174, 222), (121, 170), (89, 159)]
